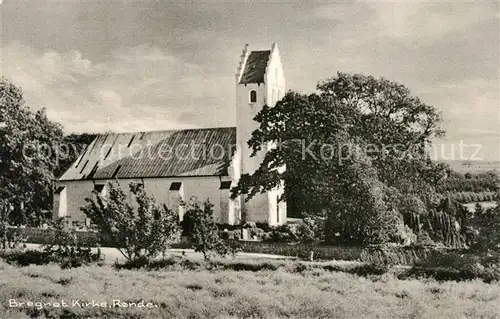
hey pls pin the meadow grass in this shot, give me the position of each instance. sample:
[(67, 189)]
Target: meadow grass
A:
[(287, 292)]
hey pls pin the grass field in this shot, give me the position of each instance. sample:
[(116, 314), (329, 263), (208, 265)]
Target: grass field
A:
[(283, 293)]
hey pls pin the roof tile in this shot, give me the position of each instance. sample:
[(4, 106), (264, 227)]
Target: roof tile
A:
[(255, 67), (195, 152)]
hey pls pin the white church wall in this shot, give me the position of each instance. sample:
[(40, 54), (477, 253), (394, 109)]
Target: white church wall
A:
[(245, 124), (200, 187), (76, 192)]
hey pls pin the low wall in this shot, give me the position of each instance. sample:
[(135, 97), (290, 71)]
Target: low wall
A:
[(47, 236)]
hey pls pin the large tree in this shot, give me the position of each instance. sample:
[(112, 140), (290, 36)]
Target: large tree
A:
[(27, 158), (356, 151)]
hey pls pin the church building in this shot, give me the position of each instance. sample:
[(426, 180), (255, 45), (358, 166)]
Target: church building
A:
[(174, 165)]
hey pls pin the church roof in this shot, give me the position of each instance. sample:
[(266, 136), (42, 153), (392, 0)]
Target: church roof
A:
[(255, 67), (194, 152)]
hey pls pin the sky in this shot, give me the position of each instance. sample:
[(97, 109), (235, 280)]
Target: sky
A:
[(152, 65)]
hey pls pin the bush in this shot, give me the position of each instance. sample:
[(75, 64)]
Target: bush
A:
[(267, 237), (67, 250), (145, 229), (466, 271), (256, 232), (10, 237), (282, 234), (205, 233), (231, 234), (388, 254), (250, 225), (424, 239), (455, 265), (486, 230), (144, 262), (310, 230), (26, 257)]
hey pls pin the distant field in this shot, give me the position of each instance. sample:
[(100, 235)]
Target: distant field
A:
[(237, 294), (474, 166)]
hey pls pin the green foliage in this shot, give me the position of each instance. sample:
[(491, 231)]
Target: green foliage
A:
[(352, 152), (256, 233), (144, 262), (424, 239), (311, 230), (205, 232), (27, 159), (232, 234), (67, 250), (145, 229), (71, 147), (486, 226), (477, 183), (286, 233), (467, 197), (26, 257), (10, 237), (455, 266)]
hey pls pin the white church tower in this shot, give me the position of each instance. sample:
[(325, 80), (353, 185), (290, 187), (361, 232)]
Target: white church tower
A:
[(259, 81)]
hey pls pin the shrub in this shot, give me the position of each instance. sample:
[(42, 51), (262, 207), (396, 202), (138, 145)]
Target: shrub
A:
[(250, 225), (10, 237), (485, 223), (231, 234), (26, 257), (205, 233), (310, 230), (282, 234), (67, 250), (145, 229), (454, 266), (234, 247), (267, 237), (187, 225), (424, 239), (144, 262), (256, 232)]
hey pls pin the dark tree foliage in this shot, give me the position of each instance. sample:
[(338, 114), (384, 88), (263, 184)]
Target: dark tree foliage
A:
[(486, 226), (471, 183), (204, 232), (71, 147), (27, 158), (356, 149)]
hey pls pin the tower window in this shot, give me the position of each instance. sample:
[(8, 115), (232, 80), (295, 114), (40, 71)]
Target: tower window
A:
[(253, 96)]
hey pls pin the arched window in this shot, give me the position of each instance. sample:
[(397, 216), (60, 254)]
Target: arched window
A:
[(253, 96)]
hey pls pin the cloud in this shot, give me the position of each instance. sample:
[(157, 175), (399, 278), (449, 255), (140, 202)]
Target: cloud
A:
[(409, 20), (137, 88)]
